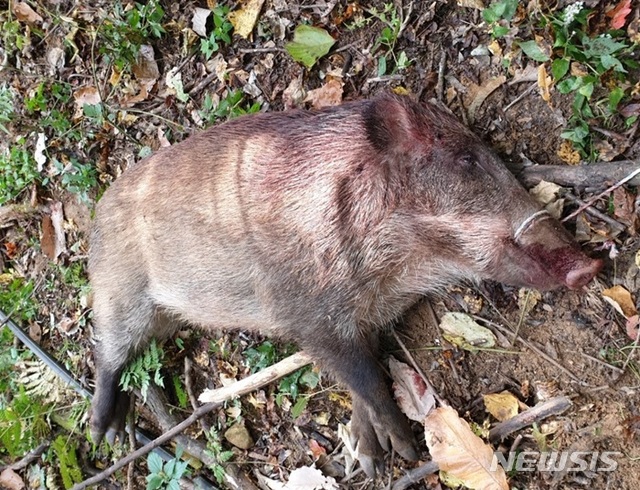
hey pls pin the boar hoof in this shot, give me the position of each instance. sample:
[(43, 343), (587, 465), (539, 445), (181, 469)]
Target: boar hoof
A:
[(376, 431)]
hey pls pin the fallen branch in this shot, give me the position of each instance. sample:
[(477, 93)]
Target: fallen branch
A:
[(541, 411), (157, 404), (257, 380), (217, 397), (593, 176), (415, 475), (620, 182), (29, 458)]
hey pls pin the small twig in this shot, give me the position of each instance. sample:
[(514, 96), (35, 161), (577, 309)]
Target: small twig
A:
[(167, 436), (602, 363), (616, 225), (541, 411), (214, 398), (602, 194), (520, 97), (188, 383), (532, 347), (415, 366), (257, 380), (132, 440), (415, 475), (441, 68), (275, 49), (634, 348), (26, 460)]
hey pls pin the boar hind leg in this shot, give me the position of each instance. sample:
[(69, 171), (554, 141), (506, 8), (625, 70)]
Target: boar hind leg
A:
[(377, 422), (123, 327)]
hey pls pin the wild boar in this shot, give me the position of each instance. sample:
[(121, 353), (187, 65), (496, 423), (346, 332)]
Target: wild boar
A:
[(319, 227)]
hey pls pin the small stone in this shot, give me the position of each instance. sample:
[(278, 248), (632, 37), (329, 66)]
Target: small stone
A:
[(239, 436)]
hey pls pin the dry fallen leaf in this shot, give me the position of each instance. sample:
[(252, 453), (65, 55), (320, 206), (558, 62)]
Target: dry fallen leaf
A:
[(330, 94), (619, 13), (544, 84), (474, 4), (459, 452), (545, 192), (414, 397), (310, 478), (478, 94), (85, 96), (199, 21), (24, 13), (244, 19), (10, 480), (38, 154), (621, 300), (503, 406), (461, 330)]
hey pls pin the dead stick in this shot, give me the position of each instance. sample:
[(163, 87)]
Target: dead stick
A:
[(491, 325), (616, 225), (415, 475), (541, 411), (255, 381), (29, 458), (167, 436), (602, 194), (591, 176), (218, 396)]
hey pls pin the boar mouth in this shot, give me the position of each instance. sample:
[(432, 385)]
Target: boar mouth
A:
[(544, 257)]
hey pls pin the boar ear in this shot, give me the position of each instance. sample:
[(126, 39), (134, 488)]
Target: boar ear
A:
[(394, 123)]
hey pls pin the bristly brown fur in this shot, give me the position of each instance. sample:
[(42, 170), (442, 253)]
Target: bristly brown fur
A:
[(319, 227)]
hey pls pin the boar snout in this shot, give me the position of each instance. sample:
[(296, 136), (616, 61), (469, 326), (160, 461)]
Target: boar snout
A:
[(549, 246)]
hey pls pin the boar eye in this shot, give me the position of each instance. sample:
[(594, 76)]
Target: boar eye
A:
[(467, 161)]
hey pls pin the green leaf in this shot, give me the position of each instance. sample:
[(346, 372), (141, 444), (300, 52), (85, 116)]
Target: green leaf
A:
[(586, 90), (533, 51), (299, 407), (499, 31), (154, 463), (608, 61), (309, 44), (599, 46), (569, 85), (615, 97), (559, 68)]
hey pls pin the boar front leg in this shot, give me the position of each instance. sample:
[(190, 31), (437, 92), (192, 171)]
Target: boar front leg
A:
[(377, 422)]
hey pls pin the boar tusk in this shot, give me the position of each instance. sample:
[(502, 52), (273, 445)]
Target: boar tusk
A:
[(543, 214)]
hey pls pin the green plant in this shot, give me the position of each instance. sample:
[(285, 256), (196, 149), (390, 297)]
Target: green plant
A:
[(23, 421), (78, 178), (67, 460), (12, 36), (217, 452), (593, 69), (17, 171), (144, 368), (221, 32), (265, 355), (388, 38), (16, 296), (499, 15), (166, 475), (122, 34), (6, 106), (228, 108)]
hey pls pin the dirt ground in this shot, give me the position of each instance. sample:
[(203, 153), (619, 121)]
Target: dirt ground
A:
[(586, 349)]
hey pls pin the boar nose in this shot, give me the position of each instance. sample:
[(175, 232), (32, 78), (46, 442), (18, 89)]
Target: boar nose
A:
[(581, 275)]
